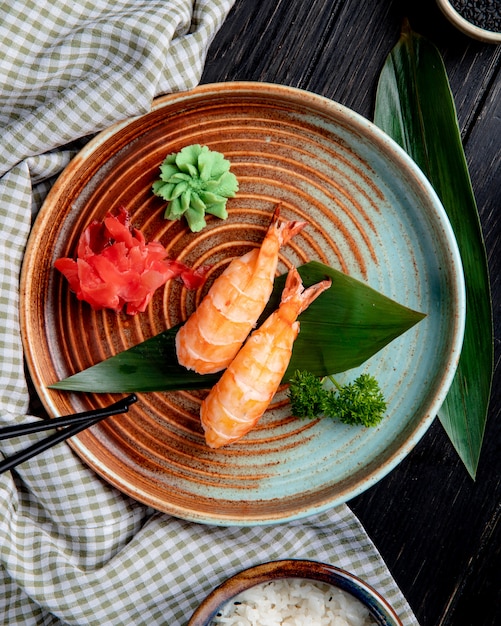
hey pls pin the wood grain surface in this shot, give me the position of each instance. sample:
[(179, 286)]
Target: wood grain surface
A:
[(438, 530)]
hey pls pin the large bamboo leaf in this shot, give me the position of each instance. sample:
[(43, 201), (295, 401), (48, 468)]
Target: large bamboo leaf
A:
[(340, 330), (414, 105)]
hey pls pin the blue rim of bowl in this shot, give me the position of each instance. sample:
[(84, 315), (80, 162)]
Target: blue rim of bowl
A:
[(378, 606)]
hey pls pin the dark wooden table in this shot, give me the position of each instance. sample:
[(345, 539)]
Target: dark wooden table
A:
[(437, 529)]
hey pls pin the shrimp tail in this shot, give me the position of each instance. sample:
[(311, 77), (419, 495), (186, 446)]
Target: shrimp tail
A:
[(297, 296), (285, 230)]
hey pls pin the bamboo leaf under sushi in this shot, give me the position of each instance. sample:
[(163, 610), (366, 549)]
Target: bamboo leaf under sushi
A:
[(343, 328)]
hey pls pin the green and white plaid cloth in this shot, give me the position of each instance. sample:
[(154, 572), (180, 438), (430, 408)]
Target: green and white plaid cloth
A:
[(73, 550)]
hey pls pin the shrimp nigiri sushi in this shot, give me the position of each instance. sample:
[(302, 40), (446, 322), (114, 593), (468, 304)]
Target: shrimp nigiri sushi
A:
[(210, 338), (244, 391)]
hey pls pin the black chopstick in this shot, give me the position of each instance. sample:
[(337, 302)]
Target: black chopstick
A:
[(74, 424), (16, 430)]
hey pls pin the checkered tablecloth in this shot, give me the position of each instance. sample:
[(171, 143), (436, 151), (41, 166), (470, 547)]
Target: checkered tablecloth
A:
[(73, 550)]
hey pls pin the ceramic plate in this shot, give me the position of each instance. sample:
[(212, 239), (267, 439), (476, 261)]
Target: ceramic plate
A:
[(370, 213)]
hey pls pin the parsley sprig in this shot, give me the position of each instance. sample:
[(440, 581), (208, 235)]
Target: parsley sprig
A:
[(359, 402)]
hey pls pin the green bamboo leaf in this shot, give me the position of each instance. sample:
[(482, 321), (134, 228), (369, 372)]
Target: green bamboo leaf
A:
[(414, 105), (340, 330)]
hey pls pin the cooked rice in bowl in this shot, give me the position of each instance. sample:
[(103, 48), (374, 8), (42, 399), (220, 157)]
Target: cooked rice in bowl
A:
[(294, 602)]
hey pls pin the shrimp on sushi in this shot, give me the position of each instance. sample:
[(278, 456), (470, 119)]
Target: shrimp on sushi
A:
[(246, 388), (210, 338)]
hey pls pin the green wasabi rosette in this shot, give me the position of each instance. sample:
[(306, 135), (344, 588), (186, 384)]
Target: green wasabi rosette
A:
[(195, 181)]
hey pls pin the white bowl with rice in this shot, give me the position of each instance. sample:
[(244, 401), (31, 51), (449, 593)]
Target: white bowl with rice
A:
[(294, 593)]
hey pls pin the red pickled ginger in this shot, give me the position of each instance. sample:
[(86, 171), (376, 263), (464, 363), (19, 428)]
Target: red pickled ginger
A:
[(116, 268)]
